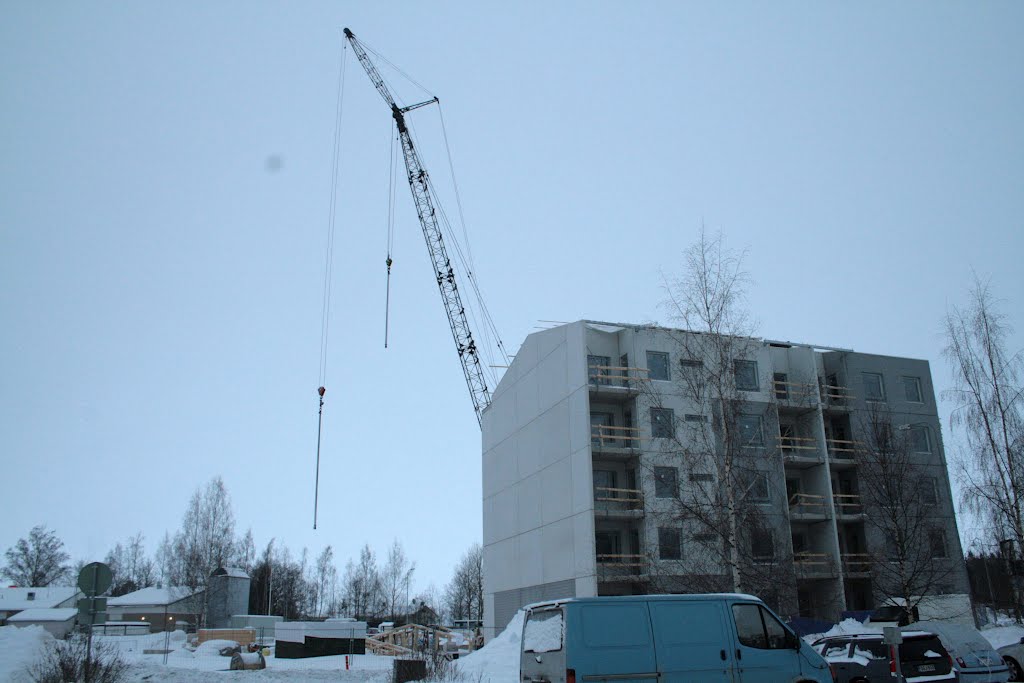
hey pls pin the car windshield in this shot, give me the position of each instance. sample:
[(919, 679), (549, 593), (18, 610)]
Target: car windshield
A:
[(922, 649)]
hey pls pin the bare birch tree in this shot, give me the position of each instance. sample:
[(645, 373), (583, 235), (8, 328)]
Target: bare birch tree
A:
[(720, 448), (988, 413), (394, 580), (911, 560)]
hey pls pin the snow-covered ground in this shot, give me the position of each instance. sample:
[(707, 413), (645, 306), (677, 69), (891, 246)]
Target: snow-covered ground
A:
[(498, 662)]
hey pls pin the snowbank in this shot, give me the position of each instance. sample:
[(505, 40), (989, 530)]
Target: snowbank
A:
[(498, 661), (1003, 635), (213, 647), (20, 647), (845, 627)]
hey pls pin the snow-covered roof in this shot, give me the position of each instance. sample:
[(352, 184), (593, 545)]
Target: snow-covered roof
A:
[(12, 599), (235, 572), (57, 614), (152, 596)]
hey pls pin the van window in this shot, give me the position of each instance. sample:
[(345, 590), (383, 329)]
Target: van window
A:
[(756, 627), (543, 632), (615, 626)]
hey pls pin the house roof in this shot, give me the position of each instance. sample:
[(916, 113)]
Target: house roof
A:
[(16, 599), (153, 596), (44, 614)]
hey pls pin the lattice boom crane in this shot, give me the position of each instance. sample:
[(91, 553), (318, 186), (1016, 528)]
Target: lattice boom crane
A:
[(425, 203)]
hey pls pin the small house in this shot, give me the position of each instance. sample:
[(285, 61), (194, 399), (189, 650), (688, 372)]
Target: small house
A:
[(58, 622)]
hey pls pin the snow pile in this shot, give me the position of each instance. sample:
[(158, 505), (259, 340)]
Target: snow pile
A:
[(19, 648), (846, 627), (213, 647), (1004, 635), (498, 661)]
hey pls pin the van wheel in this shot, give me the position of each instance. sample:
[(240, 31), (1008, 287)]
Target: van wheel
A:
[(1014, 667), (860, 680)]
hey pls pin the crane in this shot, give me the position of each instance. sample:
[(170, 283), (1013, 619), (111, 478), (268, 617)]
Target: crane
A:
[(422, 195)]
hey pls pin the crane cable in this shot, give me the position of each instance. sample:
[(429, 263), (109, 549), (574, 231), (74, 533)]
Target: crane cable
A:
[(325, 319), (391, 231)]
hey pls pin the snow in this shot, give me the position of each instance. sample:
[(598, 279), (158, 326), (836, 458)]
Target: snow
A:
[(14, 598), (1000, 636), (497, 662), (844, 628), (55, 614), (20, 647), (152, 596), (213, 647), (543, 632)]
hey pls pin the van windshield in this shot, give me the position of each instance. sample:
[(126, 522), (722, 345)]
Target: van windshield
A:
[(543, 631)]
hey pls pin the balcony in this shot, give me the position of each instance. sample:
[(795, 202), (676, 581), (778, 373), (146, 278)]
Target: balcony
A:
[(795, 394), (617, 503), (848, 505), (610, 438), (835, 397), (615, 383), (842, 449), (856, 564), (810, 565), (800, 450), (807, 507), (620, 567)]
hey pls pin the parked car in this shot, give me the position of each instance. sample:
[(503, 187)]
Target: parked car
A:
[(864, 658), (974, 658), (707, 638), (1013, 656)]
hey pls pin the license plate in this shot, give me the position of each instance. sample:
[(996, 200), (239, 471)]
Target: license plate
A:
[(926, 667)]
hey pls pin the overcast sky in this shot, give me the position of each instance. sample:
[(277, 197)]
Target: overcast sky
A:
[(165, 184)]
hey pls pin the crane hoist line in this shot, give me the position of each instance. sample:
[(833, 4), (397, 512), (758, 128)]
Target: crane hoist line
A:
[(425, 202)]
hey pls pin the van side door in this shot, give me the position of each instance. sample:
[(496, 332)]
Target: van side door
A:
[(610, 641), (692, 641), (766, 650)]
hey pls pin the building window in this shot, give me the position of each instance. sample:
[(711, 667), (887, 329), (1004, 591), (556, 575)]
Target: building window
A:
[(597, 369), (929, 491), (912, 387), (601, 432), (670, 546), (662, 423), (937, 544), (920, 439), (758, 491), (780, 381), (666, 482), (702, 476), (608, 546), (689, 417), (762, 545), (892, 549), (606, 483), (691, 365), (751, 433), (657, 365), (874, 387), (705, 538), (745, 373)]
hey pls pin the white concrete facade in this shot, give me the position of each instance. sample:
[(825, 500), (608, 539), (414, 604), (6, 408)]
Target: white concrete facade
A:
[(541, 509)]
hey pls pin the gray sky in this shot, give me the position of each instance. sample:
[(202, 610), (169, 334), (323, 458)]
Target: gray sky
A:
[(160, 282)]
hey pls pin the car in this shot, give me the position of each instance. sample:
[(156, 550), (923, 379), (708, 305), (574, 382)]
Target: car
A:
[(864, 658), (1013, 656), (974, 658)]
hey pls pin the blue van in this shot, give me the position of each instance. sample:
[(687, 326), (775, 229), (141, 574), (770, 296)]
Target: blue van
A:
[(713, 638)]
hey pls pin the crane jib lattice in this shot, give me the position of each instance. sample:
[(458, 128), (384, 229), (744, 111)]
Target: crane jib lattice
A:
[(423, 199)]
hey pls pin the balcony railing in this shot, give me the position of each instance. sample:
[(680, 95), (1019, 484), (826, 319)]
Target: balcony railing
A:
[(619, 567), (807, 504), (812, 564), (798, 446), (848, 504), (842, 449), (793, 392), (835, 395), (856, 563), (606, 436), (612, 499), (616, 376)]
